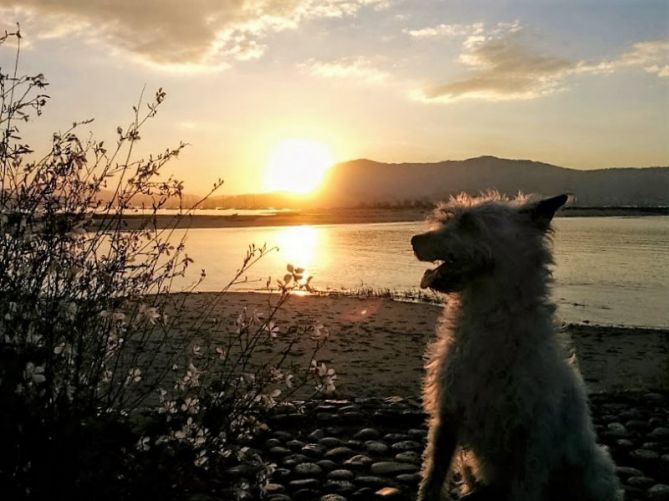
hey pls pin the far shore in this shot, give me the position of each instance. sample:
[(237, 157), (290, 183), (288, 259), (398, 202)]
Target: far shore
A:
[(341, 216)]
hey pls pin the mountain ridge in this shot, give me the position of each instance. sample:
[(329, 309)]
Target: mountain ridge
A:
[(364, 181)]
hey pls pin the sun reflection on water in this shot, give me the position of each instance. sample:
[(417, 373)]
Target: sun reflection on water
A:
[(298, 245)]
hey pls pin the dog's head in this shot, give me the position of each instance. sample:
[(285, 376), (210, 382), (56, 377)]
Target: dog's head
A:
[(477, 237)]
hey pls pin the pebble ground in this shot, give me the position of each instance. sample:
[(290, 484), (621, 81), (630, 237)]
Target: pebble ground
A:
[(367, 448)]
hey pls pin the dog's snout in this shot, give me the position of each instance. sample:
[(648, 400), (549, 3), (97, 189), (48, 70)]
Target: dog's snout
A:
[(414, 241)]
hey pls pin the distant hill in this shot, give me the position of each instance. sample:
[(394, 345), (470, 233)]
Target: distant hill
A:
[(365, 182), (360, 183)]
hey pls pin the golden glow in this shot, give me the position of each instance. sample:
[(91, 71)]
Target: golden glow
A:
[(297, 246), (297, 166)]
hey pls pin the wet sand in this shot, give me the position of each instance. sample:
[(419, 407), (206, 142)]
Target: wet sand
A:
[(376, 345)]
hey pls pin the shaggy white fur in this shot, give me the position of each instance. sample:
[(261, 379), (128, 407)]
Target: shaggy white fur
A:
[(506, 410)]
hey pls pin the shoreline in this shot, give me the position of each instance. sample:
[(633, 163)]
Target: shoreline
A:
[(339, 216), (376, 345)]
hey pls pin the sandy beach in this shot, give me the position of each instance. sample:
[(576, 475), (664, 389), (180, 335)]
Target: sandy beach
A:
[(376, 345)]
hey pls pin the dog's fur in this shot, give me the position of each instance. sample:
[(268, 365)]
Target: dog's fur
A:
[(504, 405)]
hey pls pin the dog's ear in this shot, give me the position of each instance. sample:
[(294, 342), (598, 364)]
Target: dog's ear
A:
[(542, 212)]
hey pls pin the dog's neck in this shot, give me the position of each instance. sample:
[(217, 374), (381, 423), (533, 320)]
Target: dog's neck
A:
[(505, 303)]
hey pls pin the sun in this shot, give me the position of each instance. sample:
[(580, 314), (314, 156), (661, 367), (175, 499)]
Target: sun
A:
[(297, 166)]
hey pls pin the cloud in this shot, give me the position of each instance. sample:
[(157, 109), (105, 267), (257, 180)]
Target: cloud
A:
[(178, 34), (446, 30), (503, 66), (652, 56), (358, 69)]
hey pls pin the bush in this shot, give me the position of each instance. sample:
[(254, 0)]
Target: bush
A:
[(93, 405)]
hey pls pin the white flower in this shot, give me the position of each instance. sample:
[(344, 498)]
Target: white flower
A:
[(197, 350), (134, 376), (152, 314), (221, 353), (272, 330), (119, 316), (191, 405), (321, 332), (201, 459), (289, 380), (143, 444), (34, 373)]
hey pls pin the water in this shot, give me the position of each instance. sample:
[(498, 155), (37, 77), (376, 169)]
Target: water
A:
[(609, 270)]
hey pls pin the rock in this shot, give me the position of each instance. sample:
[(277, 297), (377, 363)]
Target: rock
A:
[(624, 443), (273, 488), (304, 483), (326, 408), (388, 493), (280, 474), (405, 445), (409, 478), (616, 430), (279, 451), (351, 417), (293, 460), (326, 417), (295, 445), (272, 442), (278, 497), (327, 464), (308, 470), (408, 457), (641, 482), (395, 437), (241, 471), (293, 419), (282, 435), (376, 447), (339, 453), (364, 493), (334, 430), (644, 455), (659, 492), (371, 481), (340, 474), (627, 471), (313, 450), (659, 433), (353, 444), (633, 493), (417, 434), (637, 425), (656, 398), (305, 494), (316, 435), (332, 497), (392, 468), (339, 486), (367, 434), (329, 442), (359, 461)]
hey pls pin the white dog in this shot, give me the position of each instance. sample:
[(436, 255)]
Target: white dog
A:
[(502, 400)]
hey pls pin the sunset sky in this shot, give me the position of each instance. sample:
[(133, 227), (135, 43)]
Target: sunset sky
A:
[(581, 84)]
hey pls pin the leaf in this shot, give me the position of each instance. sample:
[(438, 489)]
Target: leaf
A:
[(287, 278), (290, 268), (299, 271)]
